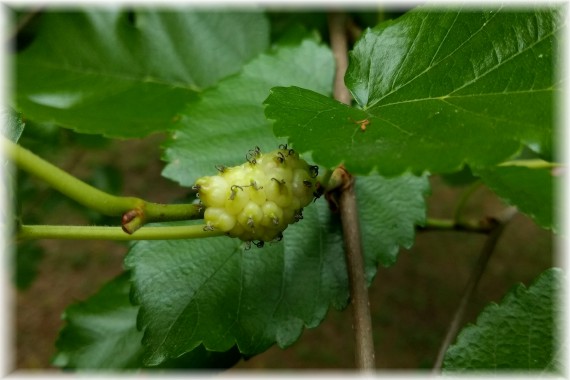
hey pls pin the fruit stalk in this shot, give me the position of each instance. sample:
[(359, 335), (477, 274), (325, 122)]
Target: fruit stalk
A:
[(28, 232), (94, 198)]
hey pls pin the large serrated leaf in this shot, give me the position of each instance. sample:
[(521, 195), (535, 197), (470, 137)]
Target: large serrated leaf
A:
[(101, 333), (127, 74), (531, 186), (215, 292), (228, 120), (521, 333), (437, 89)]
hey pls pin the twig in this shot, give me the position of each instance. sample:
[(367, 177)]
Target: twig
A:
[(354, 30), (484, 226), (339, 45), (499, 226), (134, 211), (364, 344)]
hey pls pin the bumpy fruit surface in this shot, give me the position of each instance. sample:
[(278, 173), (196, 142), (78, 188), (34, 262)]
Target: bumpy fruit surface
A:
[(259, 199)]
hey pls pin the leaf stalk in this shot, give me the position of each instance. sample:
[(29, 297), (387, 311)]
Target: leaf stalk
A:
[(29, 232), (457, 215), (483, 226), (94, 198)]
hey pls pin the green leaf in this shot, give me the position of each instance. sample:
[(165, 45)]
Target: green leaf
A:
[(12, 124), (101, 333), (521, 333), (389, 209), (437, 89), (228, 120), (127, 74), (527, 184), (217, 293)]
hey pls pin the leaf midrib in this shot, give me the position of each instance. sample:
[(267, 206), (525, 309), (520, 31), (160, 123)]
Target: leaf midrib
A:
[(449, 97), (193, 296), (443, 99)]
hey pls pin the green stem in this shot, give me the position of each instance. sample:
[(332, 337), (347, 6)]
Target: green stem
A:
[(93, 198), (434, 224), (532, 164), (28, 232), (463, 200)]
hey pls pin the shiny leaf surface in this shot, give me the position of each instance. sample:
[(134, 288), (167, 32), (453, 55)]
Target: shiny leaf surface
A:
[(435, 89)]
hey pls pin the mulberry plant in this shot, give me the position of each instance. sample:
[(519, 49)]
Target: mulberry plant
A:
[(366, 110)]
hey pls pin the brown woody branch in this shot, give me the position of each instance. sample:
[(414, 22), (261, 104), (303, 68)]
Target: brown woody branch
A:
[(346, 198), (498, 226)]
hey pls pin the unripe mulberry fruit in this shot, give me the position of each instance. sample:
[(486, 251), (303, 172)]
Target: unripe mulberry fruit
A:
[(260, 198)]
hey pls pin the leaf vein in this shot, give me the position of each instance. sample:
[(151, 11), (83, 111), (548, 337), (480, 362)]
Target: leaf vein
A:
[(496, 67), (443, 40), (487, 116), (531, 91), (417, 36), (427, 69), (190, 302)]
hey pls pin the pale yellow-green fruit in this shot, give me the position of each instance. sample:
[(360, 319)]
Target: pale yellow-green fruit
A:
[(213, 191), (250, 217), (260, 198), (272, 215), (219, 218), (279, 192), (239, 197)]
